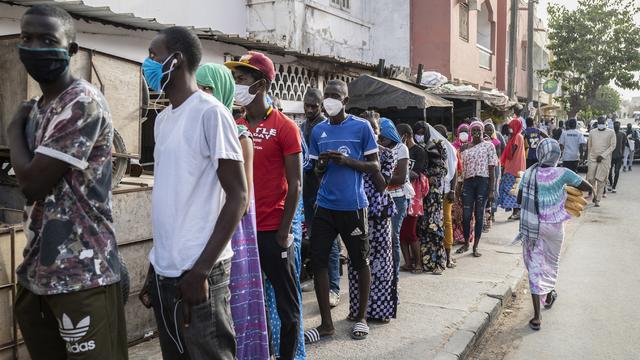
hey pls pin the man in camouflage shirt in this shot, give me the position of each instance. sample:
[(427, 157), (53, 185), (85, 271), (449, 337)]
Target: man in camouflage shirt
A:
[(69, 302)]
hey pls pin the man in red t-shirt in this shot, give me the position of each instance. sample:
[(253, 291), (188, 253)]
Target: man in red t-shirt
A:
[(277, 170)]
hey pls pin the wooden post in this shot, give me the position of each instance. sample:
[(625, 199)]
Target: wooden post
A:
[(381, 68)]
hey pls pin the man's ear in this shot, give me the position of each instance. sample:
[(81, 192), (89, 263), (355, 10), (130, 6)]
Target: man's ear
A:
[(178, 60), (73, 48), (345, 101)]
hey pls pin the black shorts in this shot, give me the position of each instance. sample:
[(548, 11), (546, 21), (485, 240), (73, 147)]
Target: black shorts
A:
[(352, 226)]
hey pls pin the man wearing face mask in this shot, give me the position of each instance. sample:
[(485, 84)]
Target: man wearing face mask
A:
[(345, 149), (69, 301), (277, 166), (197, 205), (601, 144)]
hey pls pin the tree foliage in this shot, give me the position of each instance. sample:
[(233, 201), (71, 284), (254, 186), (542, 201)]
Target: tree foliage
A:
[(606, 101), (592, 46)]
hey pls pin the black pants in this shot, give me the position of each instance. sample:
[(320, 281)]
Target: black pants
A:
[(571, 165), (278, 265), (614, 172), (475, 193)]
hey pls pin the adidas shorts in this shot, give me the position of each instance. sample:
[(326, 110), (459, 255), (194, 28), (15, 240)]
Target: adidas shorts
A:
[(352, 226), (83, 325)]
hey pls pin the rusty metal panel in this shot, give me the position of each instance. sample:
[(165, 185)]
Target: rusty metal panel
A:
[(13, 83)]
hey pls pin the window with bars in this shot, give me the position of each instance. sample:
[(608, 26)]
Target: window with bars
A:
[(343, 4), (463, 21)]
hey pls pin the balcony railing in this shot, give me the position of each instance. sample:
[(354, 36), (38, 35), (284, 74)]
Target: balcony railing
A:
[(485, 57)]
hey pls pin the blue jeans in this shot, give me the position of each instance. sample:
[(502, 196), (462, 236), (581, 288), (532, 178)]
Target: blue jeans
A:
[(474, 199), (396, 223)]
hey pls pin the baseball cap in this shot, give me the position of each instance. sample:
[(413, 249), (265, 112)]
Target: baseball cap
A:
[(257, 61)]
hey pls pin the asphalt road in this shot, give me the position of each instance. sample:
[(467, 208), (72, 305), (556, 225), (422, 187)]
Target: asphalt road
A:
[(596, 315)]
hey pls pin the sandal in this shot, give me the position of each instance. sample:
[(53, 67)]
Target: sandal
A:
[(554, 296), (417, 271), (514, 217), (406, 268), (313, 336), (476, 253), (463, 249), (451, 264), (534, 326), (437, 271), (379, 321), (360, 331)]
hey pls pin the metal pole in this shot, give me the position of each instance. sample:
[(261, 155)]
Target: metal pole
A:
[(381, 67), (513, 39), (419, 74), (530, 53)]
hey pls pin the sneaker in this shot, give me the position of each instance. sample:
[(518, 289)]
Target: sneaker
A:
[(307, 286), (334, 298), (613, 191)]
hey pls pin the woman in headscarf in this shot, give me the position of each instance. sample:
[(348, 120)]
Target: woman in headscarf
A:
[(430, 228), (462, 139), (383, 299), (513, 161), (245, 285), (494, 137), (542, 196), (479, 159)]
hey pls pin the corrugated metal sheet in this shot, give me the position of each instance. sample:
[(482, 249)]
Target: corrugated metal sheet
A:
[(104, 14)]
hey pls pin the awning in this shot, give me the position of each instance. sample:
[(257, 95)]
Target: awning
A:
[(368, 92)]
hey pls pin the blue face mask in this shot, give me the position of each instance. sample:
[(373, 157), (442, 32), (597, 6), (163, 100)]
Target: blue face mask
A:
[(153, 73)]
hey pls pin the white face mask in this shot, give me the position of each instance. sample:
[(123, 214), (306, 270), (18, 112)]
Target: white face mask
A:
[(332, 106), (602, 126), (464, 137), (243, 96), (420, 139)]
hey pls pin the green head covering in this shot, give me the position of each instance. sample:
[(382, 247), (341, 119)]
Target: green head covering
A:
[(219, 78)]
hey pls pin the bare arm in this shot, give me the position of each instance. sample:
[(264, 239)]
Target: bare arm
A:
[(293, 173), (491, 180), (400, 172), (247, 153), (585, 186), (369, 165)]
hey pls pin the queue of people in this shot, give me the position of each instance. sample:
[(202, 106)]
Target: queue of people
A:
[(231, 196)]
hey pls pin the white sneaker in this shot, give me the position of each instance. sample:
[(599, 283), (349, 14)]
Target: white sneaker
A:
[(334, 298)]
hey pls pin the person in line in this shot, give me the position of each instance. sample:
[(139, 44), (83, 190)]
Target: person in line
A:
[(345, 149), (383, 297), (513, 162), (420, 184), (557, 132), (312, 102), (532, 137), (69, 278), (630, 149), (245, 284), (430, 229), (542, 196), (491, 135), (572, 143), (601, 144), (399, 185), (462, 139), (278, 165), (617, 157), (480, 160), (191, 256), (449, 186)]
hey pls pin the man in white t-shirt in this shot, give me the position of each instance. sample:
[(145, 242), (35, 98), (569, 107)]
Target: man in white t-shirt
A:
[(198, 202), (572, 143)]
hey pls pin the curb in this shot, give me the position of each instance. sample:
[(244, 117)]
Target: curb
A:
[(460, 344)]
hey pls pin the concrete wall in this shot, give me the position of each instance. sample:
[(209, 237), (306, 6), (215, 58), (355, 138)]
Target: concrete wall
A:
[(391, 32)]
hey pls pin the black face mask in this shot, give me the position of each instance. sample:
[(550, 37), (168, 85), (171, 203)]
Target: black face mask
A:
[(45, 65)]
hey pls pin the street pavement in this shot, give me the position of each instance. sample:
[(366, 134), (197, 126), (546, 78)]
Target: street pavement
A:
[(596, 315), (438, 316)]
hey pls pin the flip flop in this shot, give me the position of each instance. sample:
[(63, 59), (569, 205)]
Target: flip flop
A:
[(463, 249), (313, 336), (476, 253), (535, 327), (554, 296), (360, 331)]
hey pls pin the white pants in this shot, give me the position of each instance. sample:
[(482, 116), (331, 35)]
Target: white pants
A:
[(628, 158)]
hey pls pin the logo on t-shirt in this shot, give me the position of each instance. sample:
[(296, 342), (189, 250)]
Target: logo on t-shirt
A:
[(344, 150), (324, 135), (264, 133)]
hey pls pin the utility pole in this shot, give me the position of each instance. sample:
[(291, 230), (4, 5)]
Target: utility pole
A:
[(513, 39), (530, 52)]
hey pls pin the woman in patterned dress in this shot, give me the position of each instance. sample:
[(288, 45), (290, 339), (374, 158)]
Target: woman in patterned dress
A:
[(383, 299), (430, 229)]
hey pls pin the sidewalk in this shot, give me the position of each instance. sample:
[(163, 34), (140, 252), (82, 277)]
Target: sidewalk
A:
[(439, 317)]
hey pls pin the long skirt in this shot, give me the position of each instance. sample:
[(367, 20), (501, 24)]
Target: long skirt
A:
[(458, 230), (543, 260), (270, 294), (247, 298), (383, 299), (431, 232), (506, 200)]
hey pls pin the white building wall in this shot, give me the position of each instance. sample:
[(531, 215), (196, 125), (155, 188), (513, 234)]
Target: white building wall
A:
[(391, 32)]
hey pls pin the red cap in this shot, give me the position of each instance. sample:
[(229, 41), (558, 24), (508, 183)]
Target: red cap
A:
[(257, 61)]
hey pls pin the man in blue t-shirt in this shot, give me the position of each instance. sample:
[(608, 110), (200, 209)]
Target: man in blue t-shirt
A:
[(532, 137), (345, 149)]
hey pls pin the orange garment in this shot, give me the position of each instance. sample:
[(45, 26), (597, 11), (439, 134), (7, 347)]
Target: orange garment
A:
[(517, 163)]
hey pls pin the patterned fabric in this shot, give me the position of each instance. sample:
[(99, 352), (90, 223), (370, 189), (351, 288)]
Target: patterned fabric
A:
[(245, 285), (270, 295), (383, 299), (506, 200), (551, 194), (71, 243), (457, 212), (543, 260), (431, 226), (477, 160)]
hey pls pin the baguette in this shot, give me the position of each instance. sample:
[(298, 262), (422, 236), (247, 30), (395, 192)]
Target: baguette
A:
[(573, 206), (577, 199), (573, 213), (572, 191)]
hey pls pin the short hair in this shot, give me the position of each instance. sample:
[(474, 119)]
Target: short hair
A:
[(179, 38), (339, 84), (529, 121), (55, 12), (572, 123), (313, 96), (617, 123), (404, 129)]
